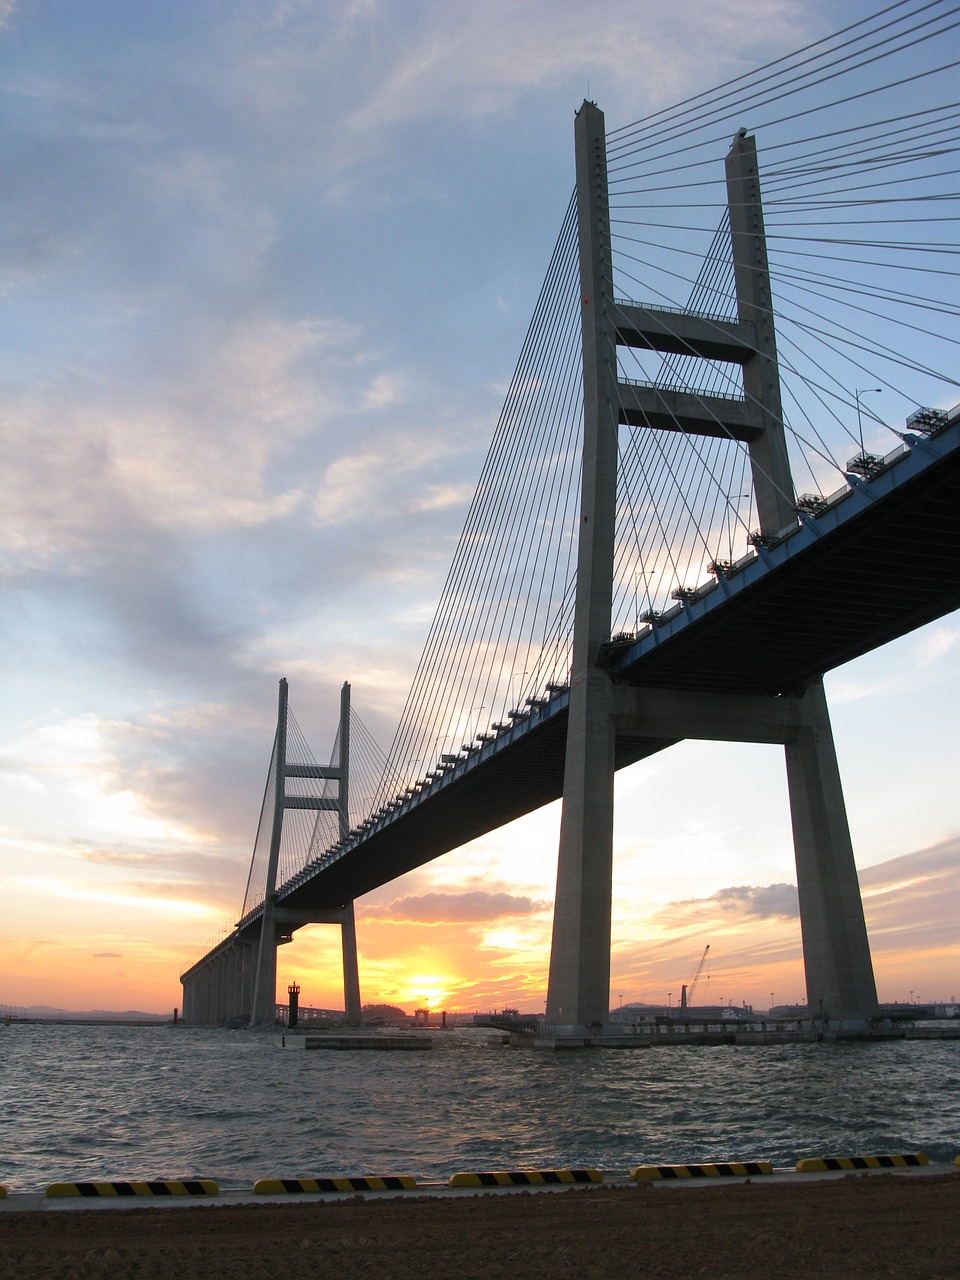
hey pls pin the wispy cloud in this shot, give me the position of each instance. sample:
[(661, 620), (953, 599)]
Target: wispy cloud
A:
[(936, 644), (745, 901), (472, 906), (472, 61)]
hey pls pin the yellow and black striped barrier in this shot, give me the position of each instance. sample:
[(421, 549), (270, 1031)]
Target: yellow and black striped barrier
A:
[(731, 1169), (831, 1164), (299, 1186), (526, 1178), (172, 1187)]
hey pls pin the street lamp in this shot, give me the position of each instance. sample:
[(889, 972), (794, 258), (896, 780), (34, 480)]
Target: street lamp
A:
[(514, 677), (864, 392)]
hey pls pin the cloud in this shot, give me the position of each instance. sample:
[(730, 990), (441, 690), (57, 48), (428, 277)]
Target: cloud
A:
[(936, 644), (469, 907), (107, 955), (845, 691), (912, 903), (478, 60), (111, 468), (745, 901)]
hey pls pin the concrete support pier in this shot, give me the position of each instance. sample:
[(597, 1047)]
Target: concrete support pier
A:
[(836, 951)]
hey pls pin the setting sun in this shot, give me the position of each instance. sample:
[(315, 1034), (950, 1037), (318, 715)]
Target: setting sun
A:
[(430, 991)]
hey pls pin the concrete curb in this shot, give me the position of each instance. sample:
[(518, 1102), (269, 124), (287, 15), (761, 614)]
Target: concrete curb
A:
[(735, 1169), (299, 1186), (187, 1187), (27, 1201), (834, 1163), (526, 1178)]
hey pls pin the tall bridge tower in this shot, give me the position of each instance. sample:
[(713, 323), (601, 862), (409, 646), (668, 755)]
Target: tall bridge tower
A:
[(839, 971), (237, 980)]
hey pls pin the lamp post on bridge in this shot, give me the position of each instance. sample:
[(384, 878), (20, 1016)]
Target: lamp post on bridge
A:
[(866, 391), (514, 677)]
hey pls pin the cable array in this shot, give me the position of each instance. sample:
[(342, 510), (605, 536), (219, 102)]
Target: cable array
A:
[(307, 834), (501, 632), (859, 154), (858, 163)]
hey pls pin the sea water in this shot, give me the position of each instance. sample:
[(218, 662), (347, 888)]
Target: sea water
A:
[(86, 1102)]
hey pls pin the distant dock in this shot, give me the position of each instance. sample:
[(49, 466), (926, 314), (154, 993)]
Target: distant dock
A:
[(324, 1040), (678, 1034)]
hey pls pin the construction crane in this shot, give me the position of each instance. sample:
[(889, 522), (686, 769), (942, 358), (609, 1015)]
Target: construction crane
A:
[(686, 993)]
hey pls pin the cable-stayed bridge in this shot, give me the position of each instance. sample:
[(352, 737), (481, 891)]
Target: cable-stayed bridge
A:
[(640, 563)]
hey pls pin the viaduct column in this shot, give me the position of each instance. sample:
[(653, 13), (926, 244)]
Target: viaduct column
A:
[(579, 986)]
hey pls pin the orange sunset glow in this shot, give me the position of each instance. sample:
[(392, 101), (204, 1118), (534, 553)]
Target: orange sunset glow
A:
[(261, 335)]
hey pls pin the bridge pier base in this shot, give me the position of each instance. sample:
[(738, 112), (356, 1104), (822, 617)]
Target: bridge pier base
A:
[(351, 967), (836, 951), (578, 999), (841, 991)]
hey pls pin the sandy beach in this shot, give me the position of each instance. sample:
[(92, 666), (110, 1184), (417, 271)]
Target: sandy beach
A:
[(876, 1225)]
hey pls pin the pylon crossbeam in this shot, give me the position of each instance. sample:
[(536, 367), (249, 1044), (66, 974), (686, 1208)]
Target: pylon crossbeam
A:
[(685, 334)]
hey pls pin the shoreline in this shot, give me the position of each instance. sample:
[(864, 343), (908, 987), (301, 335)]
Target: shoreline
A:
[(218, 1196), (905, 1223)]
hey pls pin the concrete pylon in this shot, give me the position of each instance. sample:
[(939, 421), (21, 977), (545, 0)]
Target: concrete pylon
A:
[(277, 923), (348, 924), (264, 1010), (578, 991), (840, 983), (769, 464)]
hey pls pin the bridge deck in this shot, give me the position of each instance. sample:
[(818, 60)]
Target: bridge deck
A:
[(881, 561)]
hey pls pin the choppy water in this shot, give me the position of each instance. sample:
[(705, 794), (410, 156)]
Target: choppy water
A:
[(160, 1102)]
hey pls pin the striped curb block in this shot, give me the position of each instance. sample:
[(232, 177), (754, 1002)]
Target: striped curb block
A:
[(746, 1169), (297, 1186), (833, 1163), (526, 1178), (185, 1187)]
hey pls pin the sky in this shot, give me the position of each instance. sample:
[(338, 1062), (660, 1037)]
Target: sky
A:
[(268, 269)]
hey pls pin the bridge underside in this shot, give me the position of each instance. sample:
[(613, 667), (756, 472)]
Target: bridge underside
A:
[(892, 568)]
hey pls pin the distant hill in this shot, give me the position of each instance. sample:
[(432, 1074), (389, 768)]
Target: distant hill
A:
[(382, 1013), (46, 1012)]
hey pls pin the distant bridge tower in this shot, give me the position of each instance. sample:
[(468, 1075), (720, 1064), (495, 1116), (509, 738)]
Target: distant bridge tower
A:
[(237, 980), (839, 972), (277, 923)]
